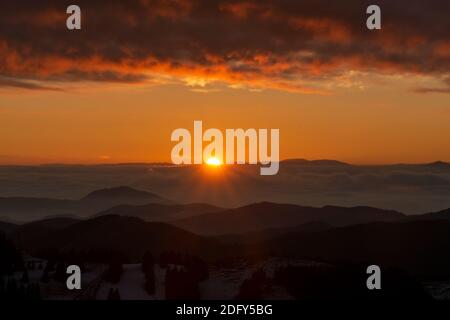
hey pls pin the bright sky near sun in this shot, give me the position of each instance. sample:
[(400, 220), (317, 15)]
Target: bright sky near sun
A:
[(213, 161)]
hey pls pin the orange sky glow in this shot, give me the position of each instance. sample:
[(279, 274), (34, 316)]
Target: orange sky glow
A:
[(113, 92)]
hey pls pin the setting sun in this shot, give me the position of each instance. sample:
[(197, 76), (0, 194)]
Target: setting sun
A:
[(213, 161)]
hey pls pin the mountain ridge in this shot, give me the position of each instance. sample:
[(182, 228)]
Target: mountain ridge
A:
[(26, 209), (265, 215), (128, 235), (160, 211)]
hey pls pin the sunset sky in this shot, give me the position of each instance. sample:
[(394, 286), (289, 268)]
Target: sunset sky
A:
[(114, 91)]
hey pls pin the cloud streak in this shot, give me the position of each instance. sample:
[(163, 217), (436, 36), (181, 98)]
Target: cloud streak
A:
[(22, 84)]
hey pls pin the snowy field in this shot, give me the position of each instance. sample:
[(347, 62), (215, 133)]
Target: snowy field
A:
[(224, 282), (131, 284)]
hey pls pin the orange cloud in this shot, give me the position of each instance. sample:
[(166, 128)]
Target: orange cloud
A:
[(300, 46)]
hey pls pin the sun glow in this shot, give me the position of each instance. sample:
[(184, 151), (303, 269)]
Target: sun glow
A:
[(213, 161)]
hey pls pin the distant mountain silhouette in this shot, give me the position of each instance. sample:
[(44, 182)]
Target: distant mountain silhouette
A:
[(54, 223), (30, 209), (128, 235), (322, 162), (361, 235), (439, 164), (420, 247), (118, 193), (161, 212), (266, 215), (438, 215)]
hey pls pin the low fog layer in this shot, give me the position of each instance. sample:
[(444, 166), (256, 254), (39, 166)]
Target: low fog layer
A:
[(410, 189)]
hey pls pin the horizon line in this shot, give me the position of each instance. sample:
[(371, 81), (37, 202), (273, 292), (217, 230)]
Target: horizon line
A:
[(166, 163)]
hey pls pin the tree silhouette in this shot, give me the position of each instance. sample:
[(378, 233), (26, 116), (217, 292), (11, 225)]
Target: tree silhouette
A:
[(60, 272), (150, 281), (180, 285), (113, 294), (148, 262), (114, 272), (253, 287), (45, 276), (25, 277)]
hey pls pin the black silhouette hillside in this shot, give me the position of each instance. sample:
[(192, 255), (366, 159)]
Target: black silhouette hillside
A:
[(53, 223), (130, 236), (7, 228), (420, 247), (34, 231), (24, 209), (268, 234), (266, 215)]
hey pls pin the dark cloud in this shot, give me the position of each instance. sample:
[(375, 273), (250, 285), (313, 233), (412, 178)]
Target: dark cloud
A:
[(432, 90), (97, 76), (284, 44), (15, 83), (444, 88)]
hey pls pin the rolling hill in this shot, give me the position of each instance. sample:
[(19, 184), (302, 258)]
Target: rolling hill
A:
[(161, 212), (420, 247), (268, 234), (7, 228), (266, 215), (438, 215), (340, 235), (23, 209), (128, 235)]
